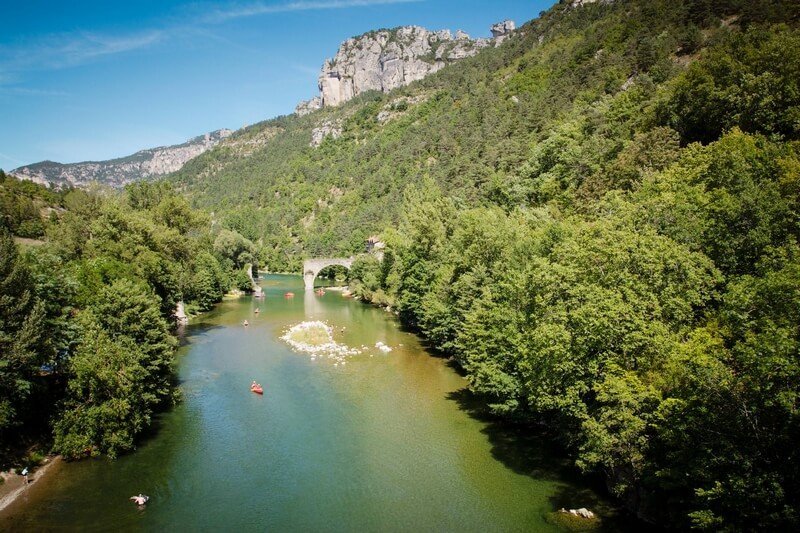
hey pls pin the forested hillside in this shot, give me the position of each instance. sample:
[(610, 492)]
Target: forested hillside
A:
[(87, 310), (598, 220), (478, 128)]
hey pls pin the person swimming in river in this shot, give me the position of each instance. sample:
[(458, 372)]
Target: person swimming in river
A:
[(245, 323), (140, 500), (257, 310)]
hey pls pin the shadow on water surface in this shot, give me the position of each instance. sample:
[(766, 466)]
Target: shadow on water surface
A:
[(185, 333), (521, 447), (425, 344), (456, 367), (527, 450)]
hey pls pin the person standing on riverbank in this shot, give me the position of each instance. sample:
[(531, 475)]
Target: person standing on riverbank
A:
[(25, 474)]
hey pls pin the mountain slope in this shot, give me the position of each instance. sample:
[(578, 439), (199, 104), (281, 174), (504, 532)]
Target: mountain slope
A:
[(144, 164), (472, 126)]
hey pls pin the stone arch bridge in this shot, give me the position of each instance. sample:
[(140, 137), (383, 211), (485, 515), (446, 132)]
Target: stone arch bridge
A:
[(312, 267)]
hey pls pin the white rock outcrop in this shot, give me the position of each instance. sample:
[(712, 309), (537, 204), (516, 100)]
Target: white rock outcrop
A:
[(308, 106), (387, 59), (579, 3), (398, 107), (326, 129), (501, 29), (180, 314)]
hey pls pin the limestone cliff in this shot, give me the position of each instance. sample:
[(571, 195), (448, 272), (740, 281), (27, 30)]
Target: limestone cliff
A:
[(307, 106), (383, 60), (144, 164), (581, 3)]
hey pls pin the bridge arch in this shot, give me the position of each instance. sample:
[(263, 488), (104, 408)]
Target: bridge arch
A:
[(312, 267)]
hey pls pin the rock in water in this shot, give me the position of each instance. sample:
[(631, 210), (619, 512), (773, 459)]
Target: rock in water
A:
[(583, 512)]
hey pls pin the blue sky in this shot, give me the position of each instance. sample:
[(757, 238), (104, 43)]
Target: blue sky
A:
[(96, 80)]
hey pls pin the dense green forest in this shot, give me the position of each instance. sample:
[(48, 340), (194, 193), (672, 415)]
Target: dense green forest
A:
[(87, 311), (598, 220), (26, 206)]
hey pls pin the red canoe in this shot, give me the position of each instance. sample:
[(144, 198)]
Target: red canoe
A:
[(257, 390)]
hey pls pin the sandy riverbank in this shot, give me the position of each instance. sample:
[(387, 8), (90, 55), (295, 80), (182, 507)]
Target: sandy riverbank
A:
[(14, 490)]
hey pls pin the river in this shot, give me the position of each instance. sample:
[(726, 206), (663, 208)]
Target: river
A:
[(386, 442)]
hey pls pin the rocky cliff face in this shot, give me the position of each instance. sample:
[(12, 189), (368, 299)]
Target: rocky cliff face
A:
[(581, 3), (144, 164), (326, 129), (501, 30), (386, 59), (307, 106)]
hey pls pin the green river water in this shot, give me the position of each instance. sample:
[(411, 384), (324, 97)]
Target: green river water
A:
[(383, 443)]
